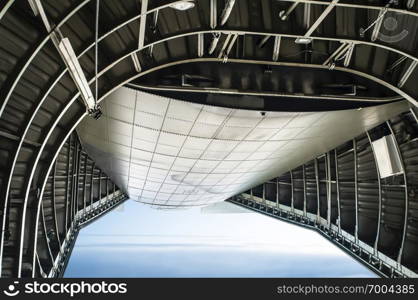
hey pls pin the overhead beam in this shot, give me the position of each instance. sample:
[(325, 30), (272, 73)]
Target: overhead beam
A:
[(321, 18), (356, 191), (379, 181), (214, 43), (284, 14), (277, 193), (5, 7), (349, 55), (226, 42), (38, 10), (66, 51), (337, 182), (378, 24), (406, 214), (292, 194), (328, 185), (397, 63), (344, 51), (96, 52), (307, 15), (227, 46), (318, 196), (154, 24), (304, 190), (407, 74), (276, 48), (54, 205), (229, 5), (142, 24), (136, 62), (213, 13), (359, 5), (263, 41), (132, 19), (200, 45)]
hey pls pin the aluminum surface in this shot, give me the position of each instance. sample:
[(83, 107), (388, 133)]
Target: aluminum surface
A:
[(168, 152)]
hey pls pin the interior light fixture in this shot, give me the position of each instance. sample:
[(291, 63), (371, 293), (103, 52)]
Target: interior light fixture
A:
[(303, 40), (183, 5)]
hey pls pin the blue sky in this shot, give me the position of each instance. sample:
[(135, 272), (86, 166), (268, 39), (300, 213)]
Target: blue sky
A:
[(230, 241)]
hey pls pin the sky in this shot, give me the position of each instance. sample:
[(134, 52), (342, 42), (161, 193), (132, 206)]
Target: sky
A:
[(137, 240)]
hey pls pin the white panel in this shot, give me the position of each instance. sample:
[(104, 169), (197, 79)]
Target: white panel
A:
[(149, 104), (262, 134), (119, 112), (234, 133), (177, 126), (124, 97), (213, 115), (204, 130), (149, 120), (388, 160), (204, 154), (183, 111), (287, 133)]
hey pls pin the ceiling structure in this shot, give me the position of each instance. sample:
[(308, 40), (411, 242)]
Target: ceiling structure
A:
[(172, 153), (60, 59)]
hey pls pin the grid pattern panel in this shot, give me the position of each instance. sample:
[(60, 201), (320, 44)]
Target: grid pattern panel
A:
[(173, 153)]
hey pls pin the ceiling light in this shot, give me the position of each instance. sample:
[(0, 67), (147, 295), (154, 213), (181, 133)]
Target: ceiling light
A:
[(183, 5), (303, 40)]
